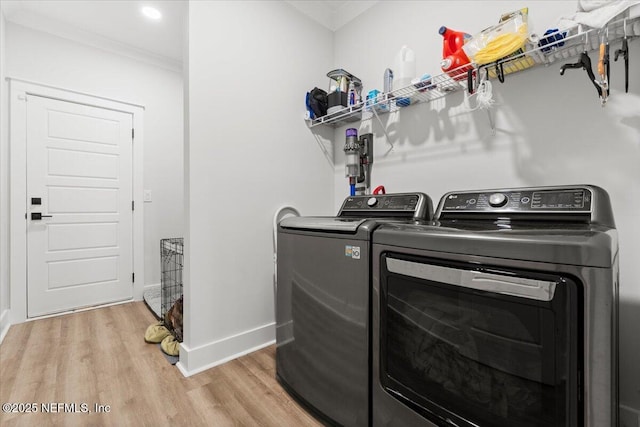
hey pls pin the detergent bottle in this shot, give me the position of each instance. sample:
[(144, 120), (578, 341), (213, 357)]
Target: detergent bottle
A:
[(453, 40), (452, 54), (455, 60)]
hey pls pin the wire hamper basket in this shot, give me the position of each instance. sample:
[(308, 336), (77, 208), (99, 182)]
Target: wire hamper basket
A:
[(172, 262)]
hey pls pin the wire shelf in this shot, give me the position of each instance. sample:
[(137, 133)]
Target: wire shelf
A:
[(574, 41), (426, 91)]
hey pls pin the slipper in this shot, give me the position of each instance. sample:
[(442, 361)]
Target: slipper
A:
[(156, 333), (170, 346)]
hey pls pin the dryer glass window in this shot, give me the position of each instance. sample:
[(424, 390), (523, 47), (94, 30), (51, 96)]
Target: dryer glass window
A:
[(480, 357)]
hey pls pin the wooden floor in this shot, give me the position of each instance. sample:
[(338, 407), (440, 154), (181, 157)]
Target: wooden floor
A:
[(100, 357)]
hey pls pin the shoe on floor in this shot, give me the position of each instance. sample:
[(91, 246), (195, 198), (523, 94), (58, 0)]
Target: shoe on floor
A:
[(171, 346), (156, 333)]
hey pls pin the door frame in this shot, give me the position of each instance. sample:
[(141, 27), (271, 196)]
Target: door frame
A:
[(18, 91)]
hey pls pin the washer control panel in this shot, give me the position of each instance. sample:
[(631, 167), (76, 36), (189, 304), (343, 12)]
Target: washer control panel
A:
[(410, 205), (570, 200)]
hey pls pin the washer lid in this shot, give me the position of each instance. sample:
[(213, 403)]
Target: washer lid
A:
[(343, 225), (592, 246)]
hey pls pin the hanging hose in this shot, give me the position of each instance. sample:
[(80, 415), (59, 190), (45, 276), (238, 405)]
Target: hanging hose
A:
[(352, 188)]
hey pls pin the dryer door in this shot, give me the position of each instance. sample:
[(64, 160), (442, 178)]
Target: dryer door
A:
[(471, 345)]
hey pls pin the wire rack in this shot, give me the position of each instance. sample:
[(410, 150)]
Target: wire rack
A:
[(172, 262), (438, 87), (570, 43), (573, 42)]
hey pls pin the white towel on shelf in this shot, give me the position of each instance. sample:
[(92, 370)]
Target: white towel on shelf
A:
[(596, 13)]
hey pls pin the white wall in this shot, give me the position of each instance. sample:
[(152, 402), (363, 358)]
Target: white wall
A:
[(4, 193), (249, 152), (551, 130), (44, 58)]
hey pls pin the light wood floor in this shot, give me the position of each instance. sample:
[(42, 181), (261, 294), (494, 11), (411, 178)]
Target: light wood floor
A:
[(100, 357)]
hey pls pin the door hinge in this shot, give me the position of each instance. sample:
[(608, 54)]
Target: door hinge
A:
[(133, 205), (133, 277), (133, 133)]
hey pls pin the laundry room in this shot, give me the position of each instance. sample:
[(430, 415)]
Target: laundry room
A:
[(228, 147)]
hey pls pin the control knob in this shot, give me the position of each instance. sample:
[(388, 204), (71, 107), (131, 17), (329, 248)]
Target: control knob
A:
[(372, 201), (497, 200)]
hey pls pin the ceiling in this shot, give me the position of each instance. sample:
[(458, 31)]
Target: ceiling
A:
[(120, 26), (333, 14)]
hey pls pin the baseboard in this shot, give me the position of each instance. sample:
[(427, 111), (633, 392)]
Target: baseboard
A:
[(201, 358), (629, 417), (5, 324)]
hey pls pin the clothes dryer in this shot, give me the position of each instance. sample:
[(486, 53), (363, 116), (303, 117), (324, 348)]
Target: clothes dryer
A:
[(501, 313)]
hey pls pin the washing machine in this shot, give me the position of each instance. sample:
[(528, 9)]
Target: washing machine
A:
[(500, 313), (323, 299)]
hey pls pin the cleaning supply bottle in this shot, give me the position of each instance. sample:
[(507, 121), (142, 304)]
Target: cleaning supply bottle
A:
[(405, 66), (453, 40), (452, 54), (353, 99), (453, 61)]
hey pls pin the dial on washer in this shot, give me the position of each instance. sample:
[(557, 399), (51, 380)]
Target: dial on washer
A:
[(497, 200)]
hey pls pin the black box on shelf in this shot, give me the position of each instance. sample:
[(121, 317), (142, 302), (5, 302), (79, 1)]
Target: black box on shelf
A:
[(337, 98)]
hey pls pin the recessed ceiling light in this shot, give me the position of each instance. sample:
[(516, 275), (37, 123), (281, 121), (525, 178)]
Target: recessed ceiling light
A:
[(151, 13)]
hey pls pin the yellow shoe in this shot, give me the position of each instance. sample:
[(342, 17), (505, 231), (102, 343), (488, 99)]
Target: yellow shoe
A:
[(156, 333), (170, 346)]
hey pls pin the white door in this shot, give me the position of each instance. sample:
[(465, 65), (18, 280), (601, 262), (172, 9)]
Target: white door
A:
[(79, 164)]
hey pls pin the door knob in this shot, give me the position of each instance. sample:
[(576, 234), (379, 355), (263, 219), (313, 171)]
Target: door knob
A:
[(36, 216)]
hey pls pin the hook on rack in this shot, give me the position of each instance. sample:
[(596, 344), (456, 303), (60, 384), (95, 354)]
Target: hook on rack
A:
[(585, 64), (500, 71), (471, 83)]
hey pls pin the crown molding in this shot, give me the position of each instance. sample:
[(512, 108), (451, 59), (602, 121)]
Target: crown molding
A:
[(66, 31)]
